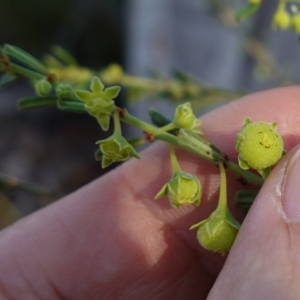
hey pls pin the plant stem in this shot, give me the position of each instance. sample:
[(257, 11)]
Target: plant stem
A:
[(157, 133), (10, 182), (117, 125), (174, 161), (222, 204), (197, 146), (169, 127)]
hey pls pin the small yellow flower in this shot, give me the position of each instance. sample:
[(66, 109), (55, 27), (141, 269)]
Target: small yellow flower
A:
[(281, 19), (259, 145)]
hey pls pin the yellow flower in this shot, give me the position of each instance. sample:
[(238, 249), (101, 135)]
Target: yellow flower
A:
[(259, 145), (281, 19)]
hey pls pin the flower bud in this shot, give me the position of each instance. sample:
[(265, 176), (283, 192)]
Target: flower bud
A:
[(259, 145), (64, 91), (217, 233), (281, 19), (185, 118), (115, 149), (43, 88), (182, 189)]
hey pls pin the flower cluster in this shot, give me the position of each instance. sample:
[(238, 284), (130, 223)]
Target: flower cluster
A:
[(284, 20)]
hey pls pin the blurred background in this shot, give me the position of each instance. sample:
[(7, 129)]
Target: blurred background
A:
[(55, 149)]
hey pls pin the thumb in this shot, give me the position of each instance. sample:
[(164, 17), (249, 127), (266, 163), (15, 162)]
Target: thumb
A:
[(264, 262)]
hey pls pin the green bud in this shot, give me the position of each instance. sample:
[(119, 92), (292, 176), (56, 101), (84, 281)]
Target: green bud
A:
[(281, 19), (218, 232), (185, 117), (182, 189), (43, 88), (64, 91), (259, 145), (115, 149)]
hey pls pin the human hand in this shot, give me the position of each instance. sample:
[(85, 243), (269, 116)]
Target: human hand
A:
[(111, 240)]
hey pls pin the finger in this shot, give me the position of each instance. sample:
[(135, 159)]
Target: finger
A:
[(220, 127), (116, 218), (264, 262)]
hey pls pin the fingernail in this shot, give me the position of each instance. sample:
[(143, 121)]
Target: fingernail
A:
[(291, 188)]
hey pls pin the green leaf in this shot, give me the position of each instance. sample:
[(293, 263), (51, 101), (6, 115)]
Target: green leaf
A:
[(247, 11), (6, 79), (35, 102), (71, 106), (245, 198), (157, 118), (24, 58), (64, 56)]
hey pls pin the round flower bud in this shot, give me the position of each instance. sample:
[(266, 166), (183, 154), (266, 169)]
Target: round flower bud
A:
[(182, 189), (64, 91), (218, 232), (259, 145), (295, 23), (185, 118), (43, 88), (281, 19)]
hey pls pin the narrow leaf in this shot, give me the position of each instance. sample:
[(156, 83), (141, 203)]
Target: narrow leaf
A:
[(35, 102), (157, 118), (64, 56), (24, 58), (247, 11), (71, 106)]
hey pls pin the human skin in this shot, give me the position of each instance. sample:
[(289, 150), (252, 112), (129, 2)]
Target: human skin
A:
[(112, 240)]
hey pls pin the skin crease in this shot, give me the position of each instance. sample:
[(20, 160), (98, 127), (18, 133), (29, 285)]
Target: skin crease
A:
[(111, 240)]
